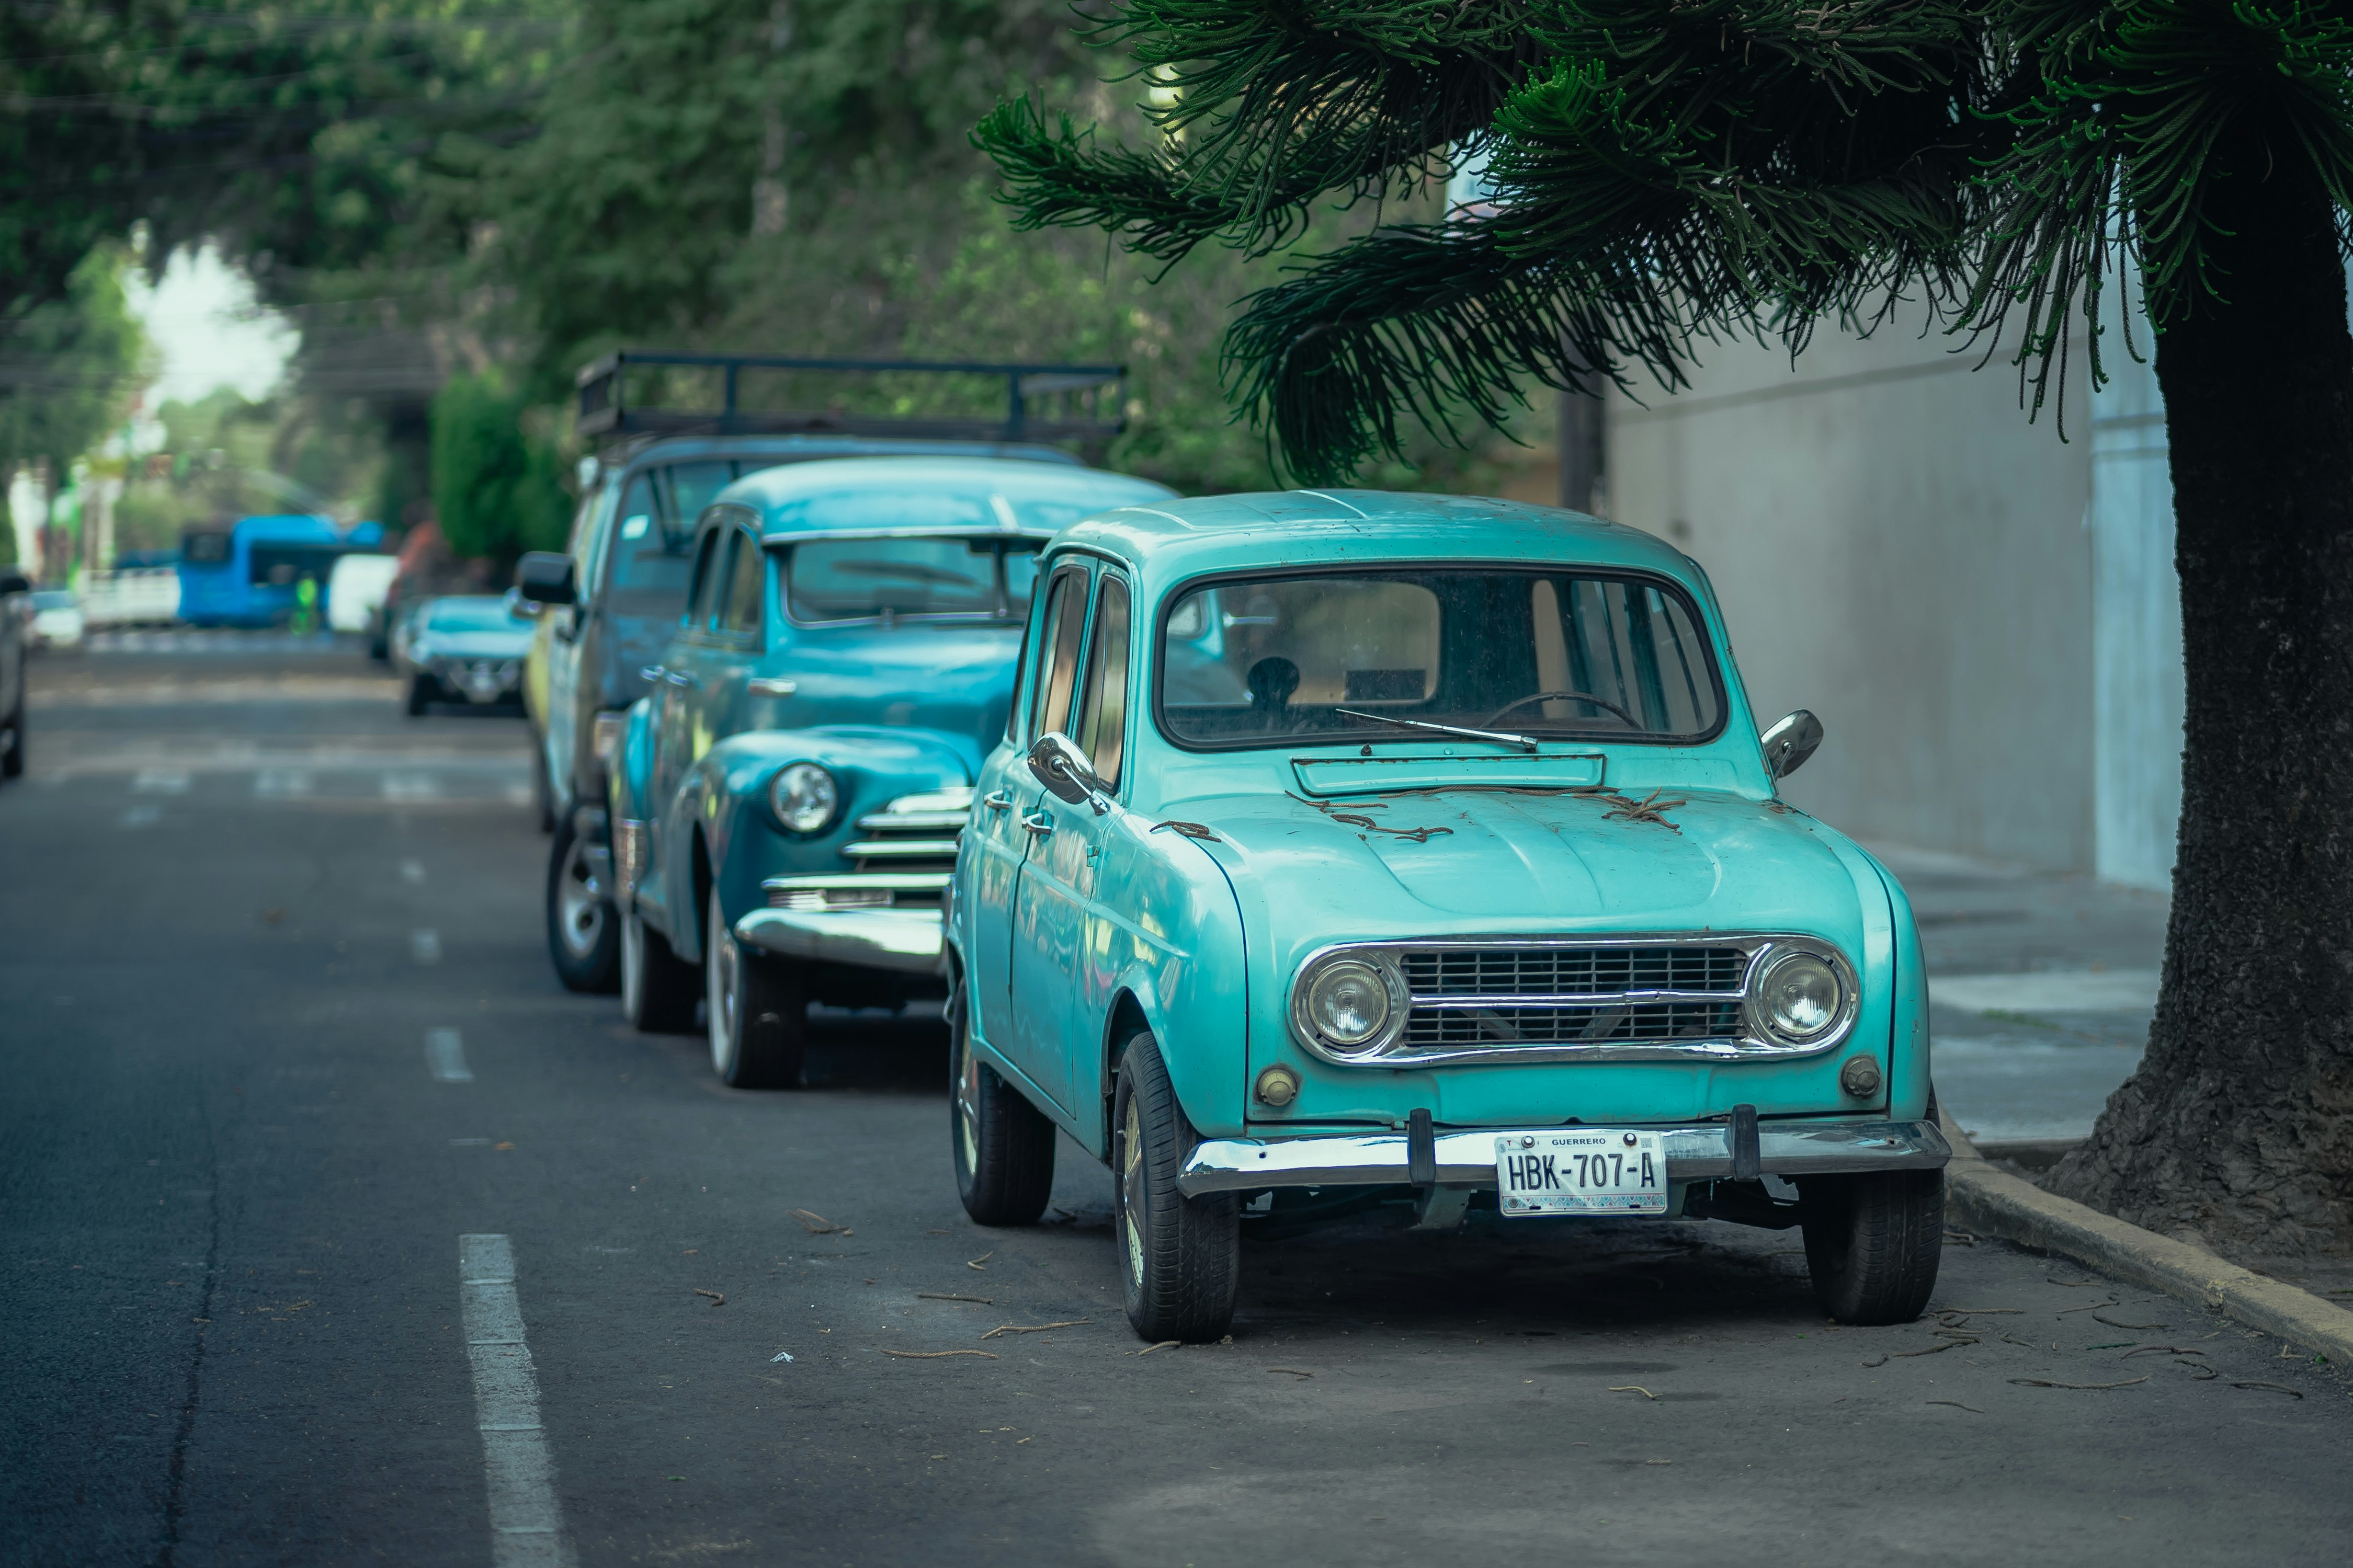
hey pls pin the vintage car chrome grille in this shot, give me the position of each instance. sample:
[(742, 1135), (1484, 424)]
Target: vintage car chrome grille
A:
[(901, 858), (1625, 999)]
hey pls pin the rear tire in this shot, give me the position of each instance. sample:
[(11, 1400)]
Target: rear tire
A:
[(1873, 1243), (758, 1014), (658, 989), (1180, 1257), (12, 753), (584, 937), (420, 694), (1003, 1146)]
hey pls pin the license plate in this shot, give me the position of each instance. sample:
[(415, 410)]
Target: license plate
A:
[(1592, 1170)]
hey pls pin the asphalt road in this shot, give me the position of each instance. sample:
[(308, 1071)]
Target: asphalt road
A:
[(278, 1030)]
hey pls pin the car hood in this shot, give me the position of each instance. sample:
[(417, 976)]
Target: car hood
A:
[(1460, 861), (472, 645)]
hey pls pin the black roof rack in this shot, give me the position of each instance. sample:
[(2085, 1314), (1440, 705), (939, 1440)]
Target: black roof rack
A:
[(1078, 389)]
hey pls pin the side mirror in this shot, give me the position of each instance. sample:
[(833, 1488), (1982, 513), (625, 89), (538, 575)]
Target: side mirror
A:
[(13, 581), (522, 609), (1788, 743), (544, 577), (1064, 769)]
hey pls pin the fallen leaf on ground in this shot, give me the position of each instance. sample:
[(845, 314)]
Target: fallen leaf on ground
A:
[(780, 1356), (1033, 1328), (2092, 1308), (935, 1356), (981, 1261), (815, 1224), (2069, 1284), (716, 1299), (1958, 1406), (941, 1296), (1291, 1370), (2046, 1383), (1633, 1388), (501, 1145), (2279, 1387), (2168, 1350), (2114, 1324), (1658, 1461), (1164, 1345)]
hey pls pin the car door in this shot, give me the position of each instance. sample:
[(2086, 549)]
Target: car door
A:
[(558, 642), (1009, 797), (733, 629), (672, 712), (1058, 878)]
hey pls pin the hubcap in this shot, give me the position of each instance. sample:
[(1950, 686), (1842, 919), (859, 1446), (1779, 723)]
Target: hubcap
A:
[(1130, 1192), (580, 904), (722, 965), (633, 968), (968, 1102)]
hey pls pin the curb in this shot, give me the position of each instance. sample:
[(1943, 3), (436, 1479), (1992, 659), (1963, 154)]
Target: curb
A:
[(2000, 1204)]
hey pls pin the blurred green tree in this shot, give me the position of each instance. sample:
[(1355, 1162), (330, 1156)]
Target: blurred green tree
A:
[(498, 485)]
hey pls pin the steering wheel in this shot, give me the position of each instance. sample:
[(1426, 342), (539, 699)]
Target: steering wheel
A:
[(1631, 722)]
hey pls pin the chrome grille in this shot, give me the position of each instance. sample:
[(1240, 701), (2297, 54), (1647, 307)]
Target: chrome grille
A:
[(1517, 997), (902, 854), (1571, 971)]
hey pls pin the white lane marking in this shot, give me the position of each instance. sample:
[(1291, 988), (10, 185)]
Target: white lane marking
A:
[(445, 1053), (526, 1522), (161, 781), (2049, 991), (424, 946), (411, 786), (281, 783), (142, 816), (518, 795), (412, 872)]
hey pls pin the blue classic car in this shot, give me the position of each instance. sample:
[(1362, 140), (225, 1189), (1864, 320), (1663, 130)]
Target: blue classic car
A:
[(1350, 849), (785, 805)]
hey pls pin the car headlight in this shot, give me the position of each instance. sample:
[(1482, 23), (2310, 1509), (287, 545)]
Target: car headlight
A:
[(1349, 1005), (1800, 996), (804, 797), (606, 736)]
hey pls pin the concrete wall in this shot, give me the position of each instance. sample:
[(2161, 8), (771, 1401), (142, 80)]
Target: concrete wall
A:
[(1900, 550)]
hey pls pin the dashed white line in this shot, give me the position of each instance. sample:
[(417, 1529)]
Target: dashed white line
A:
[(161, 781), (412, 872), (411, 786), (142, 816), (424, 946), (281, 783), (445, 1053), (518, 1472)]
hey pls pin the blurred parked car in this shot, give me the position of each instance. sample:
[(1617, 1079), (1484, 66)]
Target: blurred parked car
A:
[(786, 806), (1352, 849), (16, 636), (463, 647), (356, 586), (57, 620)]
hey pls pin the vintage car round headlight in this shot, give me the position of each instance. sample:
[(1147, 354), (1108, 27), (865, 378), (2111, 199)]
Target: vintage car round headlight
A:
[(1348, 1006), (804, 797), (1800, 997)]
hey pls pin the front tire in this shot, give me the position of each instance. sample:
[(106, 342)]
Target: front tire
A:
[(1873, 1243), (757, 1013), (583, 938), (657, 988), (420, 694), (1180, 1257), (543, 793), (12, 755), (1003, 1146)]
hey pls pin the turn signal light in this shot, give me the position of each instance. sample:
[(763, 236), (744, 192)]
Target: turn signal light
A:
[(1277, 1086), (1859, 1077)]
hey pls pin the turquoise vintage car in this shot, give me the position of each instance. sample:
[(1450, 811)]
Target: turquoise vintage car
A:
[(785, 803), (1350, 847)]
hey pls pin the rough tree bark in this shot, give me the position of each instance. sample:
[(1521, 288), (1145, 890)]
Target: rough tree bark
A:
[(2238, 1128)]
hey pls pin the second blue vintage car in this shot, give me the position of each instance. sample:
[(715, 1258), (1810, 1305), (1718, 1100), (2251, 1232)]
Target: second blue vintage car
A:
[(785, 805), (1348, 848)]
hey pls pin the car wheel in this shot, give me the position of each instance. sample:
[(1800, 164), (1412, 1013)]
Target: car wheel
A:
[(659, 989), (583, 937), (1003, 1147), (543, 793), (420, 694), (756, 1011), (12, 753), (1873, 1243), (1180, 1257)]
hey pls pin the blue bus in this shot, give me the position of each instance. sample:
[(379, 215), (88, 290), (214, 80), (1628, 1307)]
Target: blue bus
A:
[(245, 575)]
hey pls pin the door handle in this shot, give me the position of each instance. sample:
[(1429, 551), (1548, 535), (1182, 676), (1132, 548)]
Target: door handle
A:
[(1038, 823), (680, 677), (652, 674), (772, 686), (1000, 801)]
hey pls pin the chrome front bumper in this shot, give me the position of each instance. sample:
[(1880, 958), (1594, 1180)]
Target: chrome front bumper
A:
[(905, 940), (1468, 1159)]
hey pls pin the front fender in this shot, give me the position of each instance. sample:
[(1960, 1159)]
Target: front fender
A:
[(724, 799)]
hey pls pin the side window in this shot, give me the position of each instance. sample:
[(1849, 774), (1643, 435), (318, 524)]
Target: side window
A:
[(740, 610), (638, 509), (1024, 679), (1058, 659), (1103, 730), (699, 591)]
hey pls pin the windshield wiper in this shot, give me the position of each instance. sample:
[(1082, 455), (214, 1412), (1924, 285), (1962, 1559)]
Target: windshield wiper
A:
[(1504, 737)]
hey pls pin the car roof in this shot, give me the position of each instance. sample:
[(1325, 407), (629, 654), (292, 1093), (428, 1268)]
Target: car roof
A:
[(1282, 529), (772, 490)]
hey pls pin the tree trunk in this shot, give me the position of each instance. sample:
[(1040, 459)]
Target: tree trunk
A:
[(2236, 1128)]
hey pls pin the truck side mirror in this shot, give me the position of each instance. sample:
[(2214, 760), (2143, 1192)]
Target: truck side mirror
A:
[(1788, 743), (544, 577), (1064, 769)]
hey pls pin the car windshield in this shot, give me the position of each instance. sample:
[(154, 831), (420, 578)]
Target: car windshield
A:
[(1552, 655), (863, 579), (471, 614)]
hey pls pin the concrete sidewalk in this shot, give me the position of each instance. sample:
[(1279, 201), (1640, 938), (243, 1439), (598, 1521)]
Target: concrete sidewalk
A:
[(2043, 985)]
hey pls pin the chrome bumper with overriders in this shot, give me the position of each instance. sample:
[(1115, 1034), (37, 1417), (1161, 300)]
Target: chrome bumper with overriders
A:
[(884, 934), (1468, 1159)]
